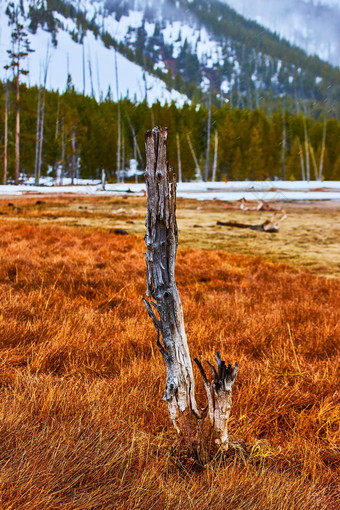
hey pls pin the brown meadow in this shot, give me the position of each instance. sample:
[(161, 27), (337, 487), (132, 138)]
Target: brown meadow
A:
[(82, 422), (309, 237)]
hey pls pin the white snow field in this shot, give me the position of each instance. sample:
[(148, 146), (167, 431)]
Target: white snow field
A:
[(69, 58), (257, 190)]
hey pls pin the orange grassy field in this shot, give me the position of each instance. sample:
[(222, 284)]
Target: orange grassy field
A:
[(82, 422)]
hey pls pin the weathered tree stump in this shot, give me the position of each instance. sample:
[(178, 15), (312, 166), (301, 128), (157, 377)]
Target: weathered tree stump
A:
[(165, 310)]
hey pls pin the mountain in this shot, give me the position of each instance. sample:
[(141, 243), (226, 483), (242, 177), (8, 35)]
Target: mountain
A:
[(170, 50), (54, 33), (313, 25)]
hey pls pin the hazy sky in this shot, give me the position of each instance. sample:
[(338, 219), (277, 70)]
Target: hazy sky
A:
[(314, 25)]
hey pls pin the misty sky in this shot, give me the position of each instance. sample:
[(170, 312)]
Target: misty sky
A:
[(313, 25)]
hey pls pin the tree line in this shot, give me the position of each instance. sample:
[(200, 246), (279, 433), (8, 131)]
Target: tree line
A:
[(80, 138), (267, 65)]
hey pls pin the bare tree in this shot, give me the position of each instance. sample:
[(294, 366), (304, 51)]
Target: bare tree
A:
[(118, 121), (284, 146), (315, 168), (165, 310), (37, 139), (215, 157), (91, 77), (84, 69), (122, 166), (303, 174), (179, 158), (207, 157), (73, 156), (56, 162), (41, 122), (322, 151), (103, 179), (6, 133), (20, 50), (63, 152), (136, 149), (306, 149), (198, 169)]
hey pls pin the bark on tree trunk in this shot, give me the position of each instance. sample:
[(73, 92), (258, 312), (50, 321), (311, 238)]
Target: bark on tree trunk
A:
[(315, 168), (322, 151), (118, 121), (161, 243), (6, 135), (179, 158), (198, 169), (17, 132), (306, 150), (284, 144), (215, 157), (37, 140), (165, 310), (63, 150), (73, 158), (303, 174), (41, 136), (207, 157)]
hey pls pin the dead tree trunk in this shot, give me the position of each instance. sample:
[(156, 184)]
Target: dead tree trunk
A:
[(73, 158), (322, 151), (198, 169), (306, 150), (315, 167), (41, 135), (118, 121), (165, 309), (303, 174), (17, 131), (284, 146), (179, 158), (215, 158), (207, 157), (6, 135), (37, 140), (40, 123)]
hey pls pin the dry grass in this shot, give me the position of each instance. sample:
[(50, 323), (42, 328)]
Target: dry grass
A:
[(309, 237), (82, 422)]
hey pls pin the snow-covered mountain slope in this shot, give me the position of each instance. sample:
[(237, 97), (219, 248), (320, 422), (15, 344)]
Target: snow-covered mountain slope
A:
[(313, 25), (169, 49), (90, 64)]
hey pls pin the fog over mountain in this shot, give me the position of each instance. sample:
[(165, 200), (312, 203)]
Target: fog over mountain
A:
[(314, 25)]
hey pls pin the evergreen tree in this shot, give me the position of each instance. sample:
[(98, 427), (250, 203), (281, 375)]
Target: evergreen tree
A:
[(294, 161), (255, 156), (227, 145), (336, 170), (237, 170), (17, 54)]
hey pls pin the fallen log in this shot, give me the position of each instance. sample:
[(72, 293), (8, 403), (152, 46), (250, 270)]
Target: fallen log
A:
[(259, 205), (271, 226)]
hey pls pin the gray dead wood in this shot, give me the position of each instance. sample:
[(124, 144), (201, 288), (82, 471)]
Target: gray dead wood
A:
[(219, 397), (165, 307), (161, 243), (270, 226)]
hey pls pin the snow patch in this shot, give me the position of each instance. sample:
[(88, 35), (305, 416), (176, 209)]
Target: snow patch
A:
[(93, 57)]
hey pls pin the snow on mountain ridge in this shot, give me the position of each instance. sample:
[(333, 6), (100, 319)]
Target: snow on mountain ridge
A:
[(207, 49), (313, 25), (191, 47), (68, 57)]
